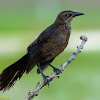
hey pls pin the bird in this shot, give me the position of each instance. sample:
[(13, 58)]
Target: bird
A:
[(42, 51)]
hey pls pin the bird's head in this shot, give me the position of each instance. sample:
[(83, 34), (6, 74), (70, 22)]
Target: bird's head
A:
[(66, 17)]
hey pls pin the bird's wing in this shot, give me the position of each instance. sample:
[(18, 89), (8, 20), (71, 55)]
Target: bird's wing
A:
[(34, 49), (42, 38)]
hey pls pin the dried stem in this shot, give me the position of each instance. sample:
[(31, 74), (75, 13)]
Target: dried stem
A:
[(41, 84)]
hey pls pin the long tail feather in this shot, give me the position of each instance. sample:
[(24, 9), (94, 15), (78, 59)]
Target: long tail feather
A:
[(9, 76)]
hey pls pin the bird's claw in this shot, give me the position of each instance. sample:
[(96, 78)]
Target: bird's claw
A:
[(57, 70), (46, 81)]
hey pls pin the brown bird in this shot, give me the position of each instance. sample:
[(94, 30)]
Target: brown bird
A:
[(49, 44)]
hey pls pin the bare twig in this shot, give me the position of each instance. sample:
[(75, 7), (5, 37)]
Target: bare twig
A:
[(41, 84)]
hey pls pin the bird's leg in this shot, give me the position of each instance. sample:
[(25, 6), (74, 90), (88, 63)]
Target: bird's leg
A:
[(57, 70), (44, 77)]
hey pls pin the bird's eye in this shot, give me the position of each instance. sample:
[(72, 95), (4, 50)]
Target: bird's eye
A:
[(68, 14)]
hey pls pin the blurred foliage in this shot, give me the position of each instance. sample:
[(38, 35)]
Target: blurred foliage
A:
[(36, 15), (79, 81)]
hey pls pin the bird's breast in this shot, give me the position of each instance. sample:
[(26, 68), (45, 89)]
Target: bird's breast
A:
[(55, 45)]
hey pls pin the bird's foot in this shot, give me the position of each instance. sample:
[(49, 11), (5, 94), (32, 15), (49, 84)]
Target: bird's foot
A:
[(57, 70), (46, 81)]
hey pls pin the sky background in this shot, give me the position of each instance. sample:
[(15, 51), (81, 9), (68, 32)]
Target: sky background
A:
[(21, 21)]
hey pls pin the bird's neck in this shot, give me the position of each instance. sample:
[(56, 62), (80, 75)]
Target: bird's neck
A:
[(68, 26), (60, 23), (63, 26)]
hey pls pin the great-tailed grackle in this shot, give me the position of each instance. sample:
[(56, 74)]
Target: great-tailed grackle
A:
[(49, 44)]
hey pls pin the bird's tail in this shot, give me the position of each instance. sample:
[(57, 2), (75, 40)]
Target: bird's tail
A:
[(9, 76)]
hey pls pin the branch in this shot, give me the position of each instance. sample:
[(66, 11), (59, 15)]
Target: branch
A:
[(41, 84)]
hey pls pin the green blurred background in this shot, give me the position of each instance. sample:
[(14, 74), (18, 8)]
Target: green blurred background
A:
[(21, 21)]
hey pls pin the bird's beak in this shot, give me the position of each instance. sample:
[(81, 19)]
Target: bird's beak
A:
[(77, 14)]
